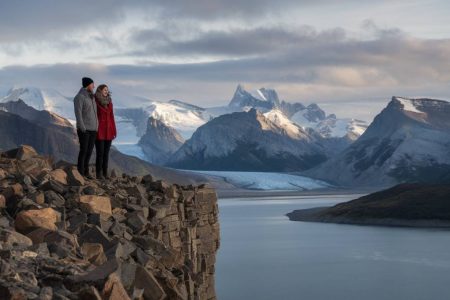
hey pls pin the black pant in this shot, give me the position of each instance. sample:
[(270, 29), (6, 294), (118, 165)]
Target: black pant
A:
[(87, 141), (101, 161)]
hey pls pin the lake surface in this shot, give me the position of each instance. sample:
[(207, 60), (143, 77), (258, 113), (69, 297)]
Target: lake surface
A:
[(263, 255)]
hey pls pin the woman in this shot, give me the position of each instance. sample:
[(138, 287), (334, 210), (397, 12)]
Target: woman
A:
[(106, 130)]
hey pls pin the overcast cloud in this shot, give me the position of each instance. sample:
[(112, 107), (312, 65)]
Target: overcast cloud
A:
[(350, 57)]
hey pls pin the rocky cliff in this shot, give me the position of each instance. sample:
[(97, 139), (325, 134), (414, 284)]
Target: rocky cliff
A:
[(64, 237)]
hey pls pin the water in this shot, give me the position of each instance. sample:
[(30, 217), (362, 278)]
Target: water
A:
[(263, 255)]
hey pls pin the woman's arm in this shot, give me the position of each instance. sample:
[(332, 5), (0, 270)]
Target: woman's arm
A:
[(113, 122)]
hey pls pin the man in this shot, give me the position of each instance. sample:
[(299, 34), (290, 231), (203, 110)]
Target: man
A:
[(87, 124)]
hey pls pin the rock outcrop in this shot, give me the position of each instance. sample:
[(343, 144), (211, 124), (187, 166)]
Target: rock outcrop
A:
[(64, 237), (408, 204), (159, 141)]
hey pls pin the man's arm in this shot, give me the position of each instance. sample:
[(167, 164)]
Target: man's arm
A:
[(78, 106)]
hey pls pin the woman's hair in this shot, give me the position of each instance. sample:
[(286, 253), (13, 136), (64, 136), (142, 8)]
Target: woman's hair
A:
[(100, 88)]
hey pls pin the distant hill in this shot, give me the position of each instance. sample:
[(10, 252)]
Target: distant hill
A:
[(411, 204)]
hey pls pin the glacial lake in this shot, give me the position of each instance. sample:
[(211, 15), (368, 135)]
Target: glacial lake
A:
[(263, 255)]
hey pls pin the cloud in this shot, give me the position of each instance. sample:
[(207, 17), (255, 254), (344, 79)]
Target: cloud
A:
[(236, 42), (199, 50)]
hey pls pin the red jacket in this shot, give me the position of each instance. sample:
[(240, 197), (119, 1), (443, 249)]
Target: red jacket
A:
[(106, 122)]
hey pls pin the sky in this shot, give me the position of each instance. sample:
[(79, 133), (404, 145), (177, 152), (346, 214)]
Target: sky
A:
[(350, 57)]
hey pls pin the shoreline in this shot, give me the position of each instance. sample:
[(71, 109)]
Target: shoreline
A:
[(237, 193), (314, 215)]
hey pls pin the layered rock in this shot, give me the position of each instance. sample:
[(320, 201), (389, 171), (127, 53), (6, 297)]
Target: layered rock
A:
[(125, 238)]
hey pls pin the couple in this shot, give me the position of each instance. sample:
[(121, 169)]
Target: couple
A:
[(95, 125)]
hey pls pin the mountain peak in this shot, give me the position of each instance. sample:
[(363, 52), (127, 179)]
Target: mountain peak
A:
[(407, 104), (261, 98)]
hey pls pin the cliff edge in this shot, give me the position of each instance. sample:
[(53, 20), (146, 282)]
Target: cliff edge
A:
[(64, 237)]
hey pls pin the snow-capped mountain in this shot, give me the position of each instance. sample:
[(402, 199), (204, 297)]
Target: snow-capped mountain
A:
[(329, 126), (262, 99), (179, 115), (291, 129), (250, 141), (159, 141), (43, 99), (311, 116), (183, 117), (408, 141), (133, 113)]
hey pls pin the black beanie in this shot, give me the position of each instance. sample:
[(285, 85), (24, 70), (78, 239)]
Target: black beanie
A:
[(85, 81)]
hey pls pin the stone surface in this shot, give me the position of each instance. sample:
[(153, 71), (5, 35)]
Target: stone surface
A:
[(114, 290), (146, 281), (36, 218), (122, 238), (10, 238), (59, 175), (96, 204), (94, 253), (74, 177)]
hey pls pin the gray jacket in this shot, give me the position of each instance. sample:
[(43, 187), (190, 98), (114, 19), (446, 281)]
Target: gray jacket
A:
[(85, 111)]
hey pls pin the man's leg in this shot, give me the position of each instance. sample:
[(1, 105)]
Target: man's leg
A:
[(106, 157), (99, 150), (91, 141), (83, 140)]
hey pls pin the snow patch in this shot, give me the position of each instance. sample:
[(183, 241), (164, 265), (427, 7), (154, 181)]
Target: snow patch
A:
[(281, 120), (408, 105), (268, 180), (184, 120)]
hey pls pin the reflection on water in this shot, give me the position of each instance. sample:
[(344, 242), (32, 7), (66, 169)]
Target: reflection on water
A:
[(263, 255)]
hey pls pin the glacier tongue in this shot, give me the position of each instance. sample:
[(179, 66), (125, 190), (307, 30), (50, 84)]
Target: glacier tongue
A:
[(268, 180)]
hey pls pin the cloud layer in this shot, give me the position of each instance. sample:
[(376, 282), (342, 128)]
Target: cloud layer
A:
[(199, 50)]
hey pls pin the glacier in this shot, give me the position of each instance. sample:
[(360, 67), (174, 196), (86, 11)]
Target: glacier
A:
[(267, 180)]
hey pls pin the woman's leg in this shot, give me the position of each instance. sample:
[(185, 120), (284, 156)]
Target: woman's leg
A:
[(99, 150), (107, 146)]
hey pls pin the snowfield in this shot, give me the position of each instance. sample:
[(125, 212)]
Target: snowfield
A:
[(408, 105), (267, 180)]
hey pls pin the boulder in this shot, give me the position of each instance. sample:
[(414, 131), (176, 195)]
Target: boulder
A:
[(53, 185), (53, 198), (95, 235), (146, 281), (2, 201), (114, 290), (93, 252), (29, 220), (59, 175), (10, 238), (38, 197), (13, 192), (2, 174), (22, 153), (96, 204), (74, 177)]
